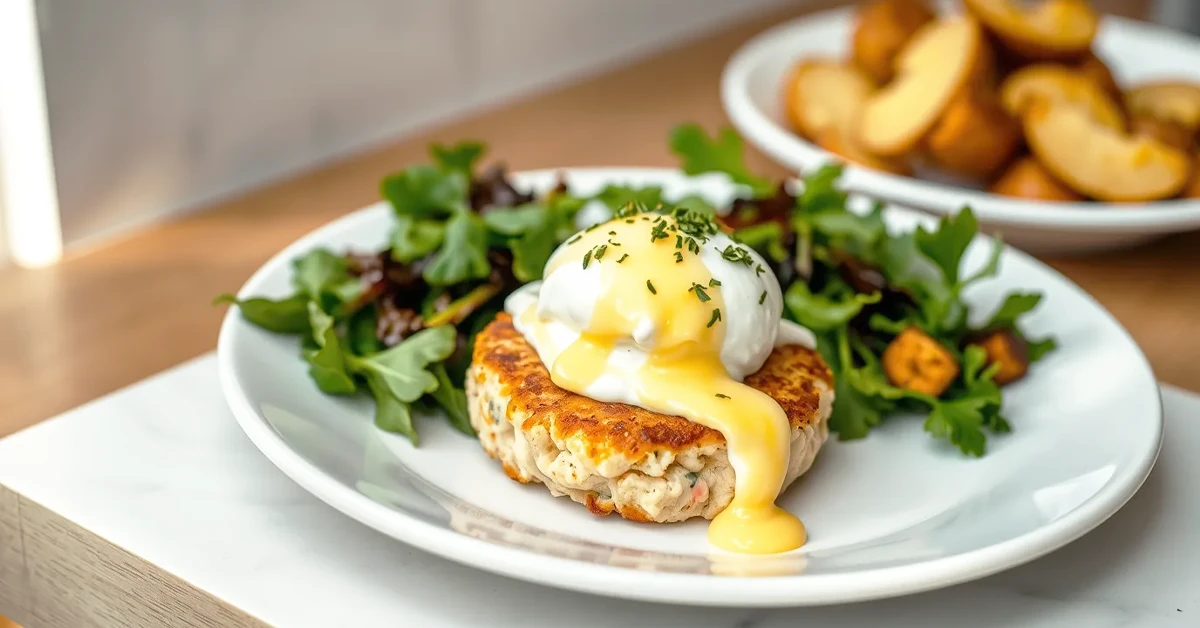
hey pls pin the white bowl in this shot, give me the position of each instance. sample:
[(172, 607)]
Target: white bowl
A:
[(751, 90)]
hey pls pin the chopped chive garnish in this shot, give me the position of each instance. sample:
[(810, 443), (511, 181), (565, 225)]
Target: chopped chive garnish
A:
[(612, 233), (591, 228), (762, 297), (719, 395), (622, 258), (650, 287), (716, 316), (630, 221), (575, 239), (701, 294), (760, 270), (587, 259), (679, 242), (600, 252), (713, 282), (678, 257), (734, 253)]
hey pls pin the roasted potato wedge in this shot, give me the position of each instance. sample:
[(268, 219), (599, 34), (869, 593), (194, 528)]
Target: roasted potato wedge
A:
[(1097, 70), (824, 94), (940, 60), (844, 144), (1193, 187), (1169, 132), (1100, 162), (881, 28), (915, 361), (823, 100), (1059, 83), (1175, 101), (975, 137), (1049, 29), (1010, 351), (1026, 178)]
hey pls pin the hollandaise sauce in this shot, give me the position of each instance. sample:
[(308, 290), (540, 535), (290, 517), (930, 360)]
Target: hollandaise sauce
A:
[(657, 292)]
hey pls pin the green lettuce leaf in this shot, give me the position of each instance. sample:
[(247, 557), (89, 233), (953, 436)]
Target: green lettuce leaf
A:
[(463, 256), (698, 153), (283, 316)]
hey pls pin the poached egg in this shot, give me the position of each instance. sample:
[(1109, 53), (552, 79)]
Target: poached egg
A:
[(668, 313)]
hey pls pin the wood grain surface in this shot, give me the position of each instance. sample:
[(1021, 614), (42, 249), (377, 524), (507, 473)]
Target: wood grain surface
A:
[(110, 316)]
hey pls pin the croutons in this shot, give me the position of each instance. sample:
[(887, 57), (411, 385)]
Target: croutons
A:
[(915, 361), (1010, 351)]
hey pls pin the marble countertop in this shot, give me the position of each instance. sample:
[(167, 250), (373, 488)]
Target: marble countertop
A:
[(150, 508)]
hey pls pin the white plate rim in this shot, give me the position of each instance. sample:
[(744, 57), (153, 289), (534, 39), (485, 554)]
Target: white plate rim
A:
[(702, 590), (796, 152)]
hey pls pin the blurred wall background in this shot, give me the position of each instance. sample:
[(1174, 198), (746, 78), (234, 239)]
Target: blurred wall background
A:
[(157, 106)]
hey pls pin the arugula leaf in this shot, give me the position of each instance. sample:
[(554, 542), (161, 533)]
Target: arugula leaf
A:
[(698, 154), (846, 225), (854, 414), (821, 192), (765, 237), (618, 196), (403, 367), (391, 414), (531, 252), (360, 332), (414, 238), (820, 312), (696, 203), (881, 323), (327, 364), (536, 229), (464, 252), (946, 245), (285, 316), (317, 272), (1039, 348), (515, 220), (424, 191), (452, 399), (460, 157), (1014, 306), (990, 269), (960, 422)]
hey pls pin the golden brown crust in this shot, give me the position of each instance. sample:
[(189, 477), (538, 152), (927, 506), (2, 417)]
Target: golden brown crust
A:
[(614, 428)]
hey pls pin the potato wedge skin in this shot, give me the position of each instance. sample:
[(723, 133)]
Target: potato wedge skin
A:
[(1023, 33), (1099, 162), (845, 146), (1167, 100), (1193, 187), (942, 59), (975, 136), (824, 93), (881, 29), (1058, 82), (1026, 178), (1095, 69), (1169, 132), (915, 361), (1010, 351)]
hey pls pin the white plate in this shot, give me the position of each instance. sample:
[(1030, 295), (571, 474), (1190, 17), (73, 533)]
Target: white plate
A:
[(892, 514), (751, 90)]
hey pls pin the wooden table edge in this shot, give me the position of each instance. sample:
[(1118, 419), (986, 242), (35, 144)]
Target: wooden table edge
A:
[(60, 575)]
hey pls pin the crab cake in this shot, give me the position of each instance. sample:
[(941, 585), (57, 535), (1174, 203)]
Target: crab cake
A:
[(644, 465)]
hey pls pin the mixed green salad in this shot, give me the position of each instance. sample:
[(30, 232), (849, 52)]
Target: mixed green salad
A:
[(887, 310)]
